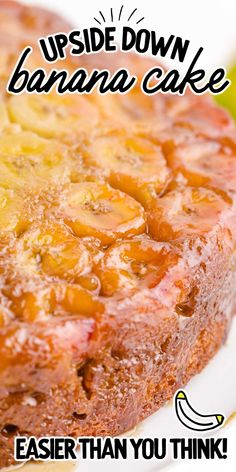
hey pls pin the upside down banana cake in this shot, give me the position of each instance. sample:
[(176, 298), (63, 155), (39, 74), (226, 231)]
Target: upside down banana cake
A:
[(117, 247)]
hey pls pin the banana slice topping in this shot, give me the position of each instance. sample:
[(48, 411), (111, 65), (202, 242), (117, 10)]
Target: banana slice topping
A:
[(54, 116), (26, 160), (95, 209), (134, 264), (185, 213), (135, 165)]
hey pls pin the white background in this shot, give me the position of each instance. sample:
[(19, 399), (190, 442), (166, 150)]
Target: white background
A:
[(211, 24)]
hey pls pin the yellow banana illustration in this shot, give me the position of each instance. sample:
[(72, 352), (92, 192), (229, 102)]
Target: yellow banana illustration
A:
[(191, 418)]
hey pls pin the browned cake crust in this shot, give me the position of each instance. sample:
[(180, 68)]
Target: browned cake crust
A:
[(109, 303)]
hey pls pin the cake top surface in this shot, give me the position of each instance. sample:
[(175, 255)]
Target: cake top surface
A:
[(105, 198)]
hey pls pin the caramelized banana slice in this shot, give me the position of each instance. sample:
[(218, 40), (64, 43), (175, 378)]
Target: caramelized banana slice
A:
[(28, 304), (37, 302), (42, 272), (54, 116), (75, 300), (52, 250), (186, 213), (26, 159), (31, 301), (206, 163), (96, 209), (134, 264), (135, 165)]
